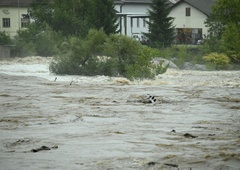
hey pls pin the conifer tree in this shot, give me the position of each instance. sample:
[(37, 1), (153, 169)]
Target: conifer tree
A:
[(161, 31), (104, 16)]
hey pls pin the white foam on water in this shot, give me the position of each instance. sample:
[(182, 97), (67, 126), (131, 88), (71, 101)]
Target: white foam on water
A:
[(39, 67), (97, 122)]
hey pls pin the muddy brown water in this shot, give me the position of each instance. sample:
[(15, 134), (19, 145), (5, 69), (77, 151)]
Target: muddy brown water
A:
[(195, 123)]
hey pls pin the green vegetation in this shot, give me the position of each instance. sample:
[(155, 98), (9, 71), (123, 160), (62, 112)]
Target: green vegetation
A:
[(75, 17), (217, 61), (161, 30), (224, 29), (99, 54), (33, 41), (5, 39)]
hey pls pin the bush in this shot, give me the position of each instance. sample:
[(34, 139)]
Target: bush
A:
[(122, 49), (4, 38), (47, 42), (36, 41), (80, 56), (143, 67), (216, 60), (99, 54)]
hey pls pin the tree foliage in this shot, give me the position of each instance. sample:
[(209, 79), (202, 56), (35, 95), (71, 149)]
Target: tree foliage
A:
[(99, 54), (75, 17), (4, 38), (161, 29), (32, 41), (224, 29)]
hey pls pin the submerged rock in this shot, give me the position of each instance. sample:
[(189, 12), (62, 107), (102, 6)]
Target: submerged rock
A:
[(165, 62), (190, 66)]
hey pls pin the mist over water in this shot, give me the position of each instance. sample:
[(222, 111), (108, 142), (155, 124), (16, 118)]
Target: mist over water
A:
[(101, 122)]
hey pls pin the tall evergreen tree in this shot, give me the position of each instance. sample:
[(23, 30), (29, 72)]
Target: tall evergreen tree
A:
[(161, 29), (104, 16)]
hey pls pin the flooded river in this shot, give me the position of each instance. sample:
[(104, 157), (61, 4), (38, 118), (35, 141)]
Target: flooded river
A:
[(102, 123)]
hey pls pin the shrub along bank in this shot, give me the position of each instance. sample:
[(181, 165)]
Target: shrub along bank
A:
[(99, 54)]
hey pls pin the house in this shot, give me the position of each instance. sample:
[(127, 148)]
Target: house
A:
[(189, 17), (14, 15), (133, 15)]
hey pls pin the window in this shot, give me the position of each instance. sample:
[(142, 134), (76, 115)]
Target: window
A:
[(6, 22), (137, 22), (188, 12), (25, 20)]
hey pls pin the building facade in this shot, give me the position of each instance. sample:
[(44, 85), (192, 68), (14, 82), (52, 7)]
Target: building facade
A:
[(133, 15), (14, 15), (189, 20)]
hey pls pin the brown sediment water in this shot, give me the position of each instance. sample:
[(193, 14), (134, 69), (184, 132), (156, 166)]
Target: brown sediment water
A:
[(100, 122)]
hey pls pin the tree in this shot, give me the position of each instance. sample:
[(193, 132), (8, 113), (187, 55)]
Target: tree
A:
[(106, 16), (227, 11), (41, 11), (75, 17), (224, 28), (161, 29)]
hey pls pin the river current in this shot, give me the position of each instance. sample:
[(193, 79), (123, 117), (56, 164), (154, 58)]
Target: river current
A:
[(76, 122)]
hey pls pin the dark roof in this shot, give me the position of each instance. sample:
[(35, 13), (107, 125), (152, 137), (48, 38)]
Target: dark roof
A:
[(15, 3), (202, 5), (137, 1), (27, 3), (132, 1)]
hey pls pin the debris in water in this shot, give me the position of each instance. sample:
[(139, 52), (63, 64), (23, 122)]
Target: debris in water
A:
[(187, 135), (42, 148), (152, 163), (151, 99), (172, 165), (55, 79)]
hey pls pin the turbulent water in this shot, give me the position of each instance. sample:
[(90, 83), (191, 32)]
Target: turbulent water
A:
[(77, 122)]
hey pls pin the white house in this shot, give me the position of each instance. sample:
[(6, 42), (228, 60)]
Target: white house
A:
[(132, 16), (189, 17), (13, 15)]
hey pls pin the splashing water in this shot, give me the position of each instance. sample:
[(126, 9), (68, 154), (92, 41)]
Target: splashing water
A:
[(100, 122)]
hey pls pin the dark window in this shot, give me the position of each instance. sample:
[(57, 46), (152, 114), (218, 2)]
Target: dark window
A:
[(6, 22), (25, 20), (137, 22), (188, 12)]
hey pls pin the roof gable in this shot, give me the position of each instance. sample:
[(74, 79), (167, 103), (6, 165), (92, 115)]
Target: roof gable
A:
[(202, 5)]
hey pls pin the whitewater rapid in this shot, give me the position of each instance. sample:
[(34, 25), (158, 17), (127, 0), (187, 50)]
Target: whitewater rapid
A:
[(100, 122), (39, 67)]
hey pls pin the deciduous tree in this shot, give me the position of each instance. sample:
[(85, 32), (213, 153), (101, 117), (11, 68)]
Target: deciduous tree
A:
[(224, 28), (75, 17)]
